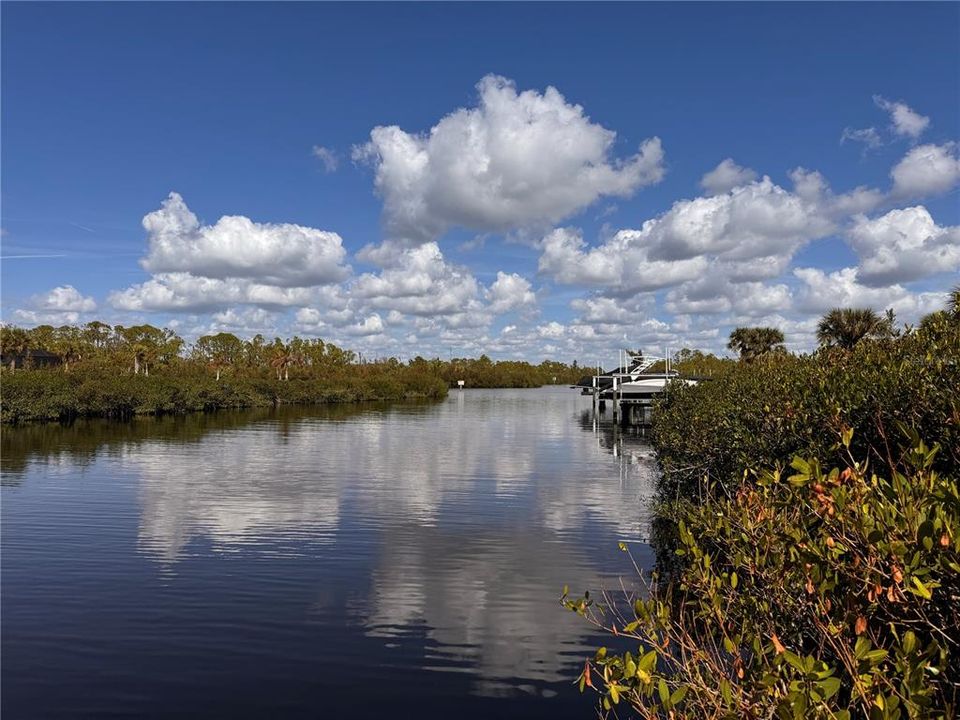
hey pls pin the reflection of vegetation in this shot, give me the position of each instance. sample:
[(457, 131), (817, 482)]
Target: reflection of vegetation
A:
[(125, 371), (801, 592), (84, 440)]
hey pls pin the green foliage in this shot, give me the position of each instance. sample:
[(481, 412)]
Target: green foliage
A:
[(756, 342), (123, 371), (845, 327), (697, 364), (51, 394), (807, 594), (483, 372), (794, 591), (757, 415)]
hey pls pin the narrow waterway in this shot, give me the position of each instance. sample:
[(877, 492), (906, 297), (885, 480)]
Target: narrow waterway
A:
[(378, 561)]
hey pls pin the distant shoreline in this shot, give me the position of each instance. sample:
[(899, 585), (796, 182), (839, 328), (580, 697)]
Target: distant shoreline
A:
[(51, 395)]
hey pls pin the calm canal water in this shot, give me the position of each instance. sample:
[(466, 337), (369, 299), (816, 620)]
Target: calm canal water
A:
[(395, 561)]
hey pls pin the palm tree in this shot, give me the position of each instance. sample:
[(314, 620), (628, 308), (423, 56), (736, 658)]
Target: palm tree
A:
[(281, 361), (845, 327), (953, 302), (14, 341), (757, 342)]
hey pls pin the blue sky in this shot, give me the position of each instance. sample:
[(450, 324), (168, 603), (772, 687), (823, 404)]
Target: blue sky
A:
[(490, 213)]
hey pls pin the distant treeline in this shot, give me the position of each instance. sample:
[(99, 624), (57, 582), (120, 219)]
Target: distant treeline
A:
[(52, 373)]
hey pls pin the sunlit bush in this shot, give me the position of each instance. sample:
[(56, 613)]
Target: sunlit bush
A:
[(806, 594), (756, 415), (785, 590)]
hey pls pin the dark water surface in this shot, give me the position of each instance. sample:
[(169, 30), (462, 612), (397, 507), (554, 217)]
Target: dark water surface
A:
[(400, 561)]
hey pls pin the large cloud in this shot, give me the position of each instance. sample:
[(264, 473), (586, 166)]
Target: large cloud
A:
[(180, 291), (716, 293), (517, 159), (926, 170), (421, 283), (234, 262), (236, 247), (510, 291), (753, 231), (823, 291), (903, 245)]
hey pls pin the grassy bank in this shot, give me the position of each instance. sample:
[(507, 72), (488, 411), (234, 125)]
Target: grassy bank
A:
[(809, 542)]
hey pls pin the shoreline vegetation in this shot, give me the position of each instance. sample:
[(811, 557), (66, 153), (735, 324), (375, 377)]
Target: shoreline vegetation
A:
[(807, 536), (96, 370)]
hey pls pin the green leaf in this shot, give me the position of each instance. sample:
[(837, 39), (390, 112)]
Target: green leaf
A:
[(921, 589), (725, 691), (648, 662), (678, 695), (664, 692), (795, 661), (830, 687)]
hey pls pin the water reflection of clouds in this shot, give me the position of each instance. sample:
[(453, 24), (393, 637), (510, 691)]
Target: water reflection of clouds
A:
[(483, 508), (489, 600), (229, 488)]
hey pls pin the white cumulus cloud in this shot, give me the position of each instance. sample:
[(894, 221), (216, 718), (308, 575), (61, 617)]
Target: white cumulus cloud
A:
[(903, 245), (904, 120), (61, 305), (926, 170), (65, 298), (515, 160), (181, 291), (748, 233), (421, 282), (509, 291), (823, 291), (726, 176), (370, 325), (236, 247)]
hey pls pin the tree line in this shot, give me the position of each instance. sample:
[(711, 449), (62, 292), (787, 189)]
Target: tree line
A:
[(142, 348), (118, 371)]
